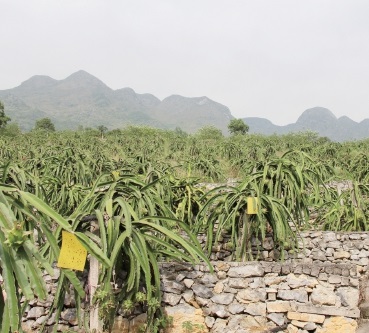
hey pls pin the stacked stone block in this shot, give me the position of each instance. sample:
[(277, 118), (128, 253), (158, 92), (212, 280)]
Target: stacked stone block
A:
[(257, 297), (316, 289)]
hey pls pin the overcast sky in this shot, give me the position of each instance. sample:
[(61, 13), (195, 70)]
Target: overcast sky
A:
[(261, 58)]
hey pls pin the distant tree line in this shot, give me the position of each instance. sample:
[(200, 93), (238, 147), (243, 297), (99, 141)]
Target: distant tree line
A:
[(235, 127)]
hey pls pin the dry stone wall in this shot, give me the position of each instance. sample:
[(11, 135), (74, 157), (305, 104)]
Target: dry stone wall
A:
[(317, 289), (262, 296), (37, 312), (313, 246)]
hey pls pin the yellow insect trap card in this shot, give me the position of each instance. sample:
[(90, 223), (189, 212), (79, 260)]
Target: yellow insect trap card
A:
[(72, 253), (252, 205)]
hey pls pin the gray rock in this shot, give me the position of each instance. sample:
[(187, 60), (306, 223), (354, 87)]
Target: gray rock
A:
[(310, 326), (47, 303), (256, 309), (335, 279), (221, 275), (246, 271), (268, 243), (301, 281), (69, 300), (228, 289), (219, 326), (323, 277), (244, 322), (279, 306), (202, 301), (364, 261), (209, 279), (323, 296), (341, 255), (41, 320), (354, 282), (194, 274), (188, 295), (171, 299), (172, 287), (27, 325), (319, 255), (251, 295), (219, 311), (364, 254), (283, 286), (328, 310), (349, 296), (180, 308), (202, 291), (219, 287), (62, 328), (334, 245), (223, 298), (70, 315), (209, 321), (273, 279), (236, 308), (188, 283), (180, 277), (238, 283), (51, 320), (35, 312), (277, 318), (329, 236), (257, 283), (299, 295)]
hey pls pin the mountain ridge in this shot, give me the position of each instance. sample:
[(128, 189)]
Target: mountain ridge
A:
[(83, 99), (316, 119)]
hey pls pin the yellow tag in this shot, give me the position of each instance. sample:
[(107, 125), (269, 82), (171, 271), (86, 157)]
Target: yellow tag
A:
[(115, 174), (252, 205), (72, 253)]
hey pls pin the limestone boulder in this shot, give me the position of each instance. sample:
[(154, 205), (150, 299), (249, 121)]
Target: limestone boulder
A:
[(349, 296), (301, 281), (223, 298), (338, 325), (251, 296), (323, 296), (246, 271), (238, 323)]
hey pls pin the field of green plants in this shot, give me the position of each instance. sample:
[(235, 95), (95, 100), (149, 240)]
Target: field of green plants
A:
[(146, 188)]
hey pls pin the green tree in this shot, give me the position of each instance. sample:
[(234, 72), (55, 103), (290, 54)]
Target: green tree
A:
[(237, 126), (180, 132), (3, 117), (102, 129), (209, 133), (12, 130), (45, 124)]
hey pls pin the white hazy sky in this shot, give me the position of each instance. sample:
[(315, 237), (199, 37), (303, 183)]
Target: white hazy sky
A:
[(261, 58)]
